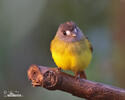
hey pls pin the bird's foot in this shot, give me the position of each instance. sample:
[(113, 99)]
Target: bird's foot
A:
[(59, 69), (80, 75), (77, 77)]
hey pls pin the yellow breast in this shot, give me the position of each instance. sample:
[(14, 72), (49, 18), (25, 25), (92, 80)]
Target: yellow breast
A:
[(74, 56)]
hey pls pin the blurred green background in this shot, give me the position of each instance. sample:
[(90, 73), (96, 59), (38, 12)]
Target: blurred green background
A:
[(28, 26)]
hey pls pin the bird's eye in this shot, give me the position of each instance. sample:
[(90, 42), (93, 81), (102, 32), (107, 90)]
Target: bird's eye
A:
[(67, 32), (64, 33)]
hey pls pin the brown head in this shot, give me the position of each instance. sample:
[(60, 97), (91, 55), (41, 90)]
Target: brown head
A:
[(69, 32)]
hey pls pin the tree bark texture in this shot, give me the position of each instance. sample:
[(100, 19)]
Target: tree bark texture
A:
[(53, 79)]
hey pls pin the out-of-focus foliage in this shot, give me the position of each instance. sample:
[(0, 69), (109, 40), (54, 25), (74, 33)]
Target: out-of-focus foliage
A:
[(27, 28)]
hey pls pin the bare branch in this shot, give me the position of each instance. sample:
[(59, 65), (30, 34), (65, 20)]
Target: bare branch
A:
[(53, 79)]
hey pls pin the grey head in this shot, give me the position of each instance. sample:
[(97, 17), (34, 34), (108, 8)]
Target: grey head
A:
[(69, 32)]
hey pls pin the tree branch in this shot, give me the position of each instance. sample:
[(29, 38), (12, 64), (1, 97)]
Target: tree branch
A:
[(53, 79)]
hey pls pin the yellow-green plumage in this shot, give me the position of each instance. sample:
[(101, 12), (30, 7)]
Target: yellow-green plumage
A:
[(74, 56)]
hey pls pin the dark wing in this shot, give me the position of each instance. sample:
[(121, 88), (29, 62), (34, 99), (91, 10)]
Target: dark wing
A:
[(90, 45), (91, 48)]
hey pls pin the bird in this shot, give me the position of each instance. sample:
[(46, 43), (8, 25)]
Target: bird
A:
[(71, 49)]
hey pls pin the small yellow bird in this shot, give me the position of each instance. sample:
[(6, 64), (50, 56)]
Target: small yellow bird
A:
[(71, 50)]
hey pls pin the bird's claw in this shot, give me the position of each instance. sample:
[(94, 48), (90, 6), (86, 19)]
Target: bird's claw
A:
[(77, 77), (59, 69)]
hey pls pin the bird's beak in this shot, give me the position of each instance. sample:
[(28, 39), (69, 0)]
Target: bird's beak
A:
[(73, 34)]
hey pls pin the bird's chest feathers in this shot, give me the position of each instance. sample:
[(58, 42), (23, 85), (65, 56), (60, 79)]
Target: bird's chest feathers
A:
[(63, 55), (69, 55)]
